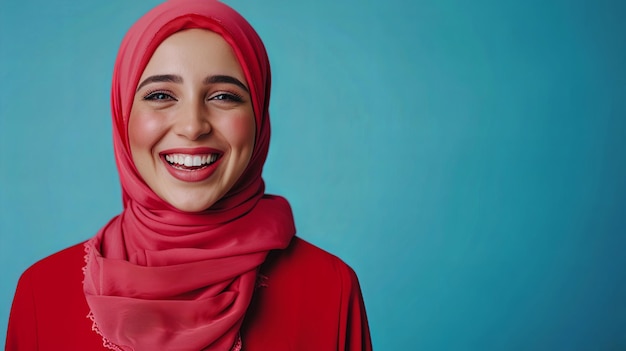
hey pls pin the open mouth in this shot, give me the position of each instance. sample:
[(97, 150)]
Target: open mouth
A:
[(191, 162)]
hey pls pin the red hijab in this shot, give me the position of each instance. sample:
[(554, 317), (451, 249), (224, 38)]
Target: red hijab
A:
[(157, 278)]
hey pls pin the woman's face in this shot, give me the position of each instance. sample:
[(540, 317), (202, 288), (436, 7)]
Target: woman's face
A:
[(192, 126)]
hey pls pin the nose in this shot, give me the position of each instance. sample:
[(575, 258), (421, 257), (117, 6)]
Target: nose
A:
[(192, 121)]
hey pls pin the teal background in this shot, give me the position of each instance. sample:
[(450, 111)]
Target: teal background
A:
[(465, 158)]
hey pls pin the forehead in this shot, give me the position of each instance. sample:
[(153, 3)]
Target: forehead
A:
[(194, 51)]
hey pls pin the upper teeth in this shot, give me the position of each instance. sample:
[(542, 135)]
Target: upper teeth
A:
[(191, 160)]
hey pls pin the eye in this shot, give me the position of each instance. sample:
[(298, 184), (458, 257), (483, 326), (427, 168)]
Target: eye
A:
[(158, 96), (227, 97)]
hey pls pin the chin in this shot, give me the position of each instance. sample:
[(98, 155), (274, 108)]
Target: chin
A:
[(190, 205)]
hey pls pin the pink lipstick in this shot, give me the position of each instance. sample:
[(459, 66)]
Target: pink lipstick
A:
[(191, 164)]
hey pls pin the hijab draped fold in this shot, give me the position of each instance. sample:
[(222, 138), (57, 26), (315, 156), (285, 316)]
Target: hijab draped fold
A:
[(157, 278)]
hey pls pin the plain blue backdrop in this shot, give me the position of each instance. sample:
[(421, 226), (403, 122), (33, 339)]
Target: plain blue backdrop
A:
[(467, 159)]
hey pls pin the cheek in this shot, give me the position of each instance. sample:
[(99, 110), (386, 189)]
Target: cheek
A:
[(240, 132), (144, 131)]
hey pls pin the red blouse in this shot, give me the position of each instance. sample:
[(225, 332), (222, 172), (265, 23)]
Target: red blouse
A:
[(307, 299)]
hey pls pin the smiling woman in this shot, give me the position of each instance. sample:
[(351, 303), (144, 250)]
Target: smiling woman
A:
[(200, 258), (191, 126)]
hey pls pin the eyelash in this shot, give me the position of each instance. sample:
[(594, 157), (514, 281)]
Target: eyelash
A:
[(226, 96), (151, 95)]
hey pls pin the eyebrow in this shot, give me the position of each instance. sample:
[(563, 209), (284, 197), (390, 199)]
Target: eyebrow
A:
[(225, 79), (172, 78)]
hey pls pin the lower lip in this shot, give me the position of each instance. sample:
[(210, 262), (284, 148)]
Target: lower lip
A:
[(196, 175)]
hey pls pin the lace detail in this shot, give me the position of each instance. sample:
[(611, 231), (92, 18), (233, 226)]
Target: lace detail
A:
[(105, 342), (238, 344), (86, 258)]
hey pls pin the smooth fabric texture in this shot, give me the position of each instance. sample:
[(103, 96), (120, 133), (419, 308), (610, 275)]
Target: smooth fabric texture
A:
[(159, 278), (306, 299)]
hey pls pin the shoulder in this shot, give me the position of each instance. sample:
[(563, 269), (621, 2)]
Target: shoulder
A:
[(61, 266), (321, 297), (70, 255), (305, 272), (304, 300), (50, 291), (303, 260)]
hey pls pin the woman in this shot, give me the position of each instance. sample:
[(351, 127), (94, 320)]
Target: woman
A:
[(200, 258)]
